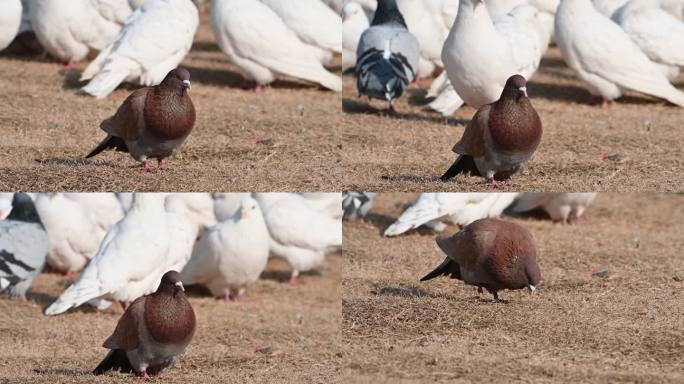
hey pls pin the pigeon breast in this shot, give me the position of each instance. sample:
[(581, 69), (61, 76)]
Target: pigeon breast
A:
[(169, 317), (169, 113)]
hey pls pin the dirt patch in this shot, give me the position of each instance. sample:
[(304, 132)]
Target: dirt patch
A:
[(300, 324), (627, 326), (634, 145), (47, 129)]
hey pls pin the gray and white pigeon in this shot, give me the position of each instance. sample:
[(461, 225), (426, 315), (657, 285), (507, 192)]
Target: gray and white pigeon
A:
[(501, 138), (23, 246), (491, 254), (357, 204), (152, 122), (387, 55), (153, 331)]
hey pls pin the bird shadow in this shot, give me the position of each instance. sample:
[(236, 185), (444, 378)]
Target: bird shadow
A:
[(226, 78), (41, 299), (410, 179), (25, 46), (284, 276), (580, 95), (204, 46), (359, 107), (408, 291), (62, 372), (381, 222), (538, 214), (75, 162)]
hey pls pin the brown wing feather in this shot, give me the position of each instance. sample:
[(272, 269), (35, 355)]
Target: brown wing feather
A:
[(125, 334), (472, 142), (128, 121)]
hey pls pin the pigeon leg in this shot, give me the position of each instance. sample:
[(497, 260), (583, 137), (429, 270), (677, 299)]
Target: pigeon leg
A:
[(241, 295), (294, 277), (146, 166), (479, 289), (259, 88), (226, 295), (491, 184), (145, 375), (160, 163)]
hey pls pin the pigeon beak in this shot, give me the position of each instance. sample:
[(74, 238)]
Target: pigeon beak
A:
[(180, 285), (186, 84), (532, 289), (523, 90)]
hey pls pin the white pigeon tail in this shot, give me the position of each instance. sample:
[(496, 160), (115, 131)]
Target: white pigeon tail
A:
[(459, 208), (130, 261), (232, 254), (257, 40), (104, 207), (604, 57), (154, 40)]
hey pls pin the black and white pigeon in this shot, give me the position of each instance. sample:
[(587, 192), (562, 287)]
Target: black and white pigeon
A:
[(357, 204), (387, 55), (23, 246)]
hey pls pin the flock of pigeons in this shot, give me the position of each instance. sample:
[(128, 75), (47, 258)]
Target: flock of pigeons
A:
[(612, 45), (122, 244), (142, 40), (487, 252), (432, 208)]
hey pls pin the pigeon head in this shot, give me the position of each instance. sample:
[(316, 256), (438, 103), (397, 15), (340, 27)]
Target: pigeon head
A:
[(23, 209), (388, 13), (516, 87), (178, 78), (171, 282), (248, 206), (533, 275), (350, 10)]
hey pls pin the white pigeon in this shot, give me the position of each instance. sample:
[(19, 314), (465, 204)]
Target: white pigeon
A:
[(659, 34), (232, 254), (329, 203), (126, 200), (478, 68), (103, 206), (227, 204), (314, 23), (354, 22), (10, 21), (604, 57), (459, 208), (299, 233), (257, 40), (132, 258), (561, 207), (154, 40), (200, 207), (73, 236), (69, 30), (425, 28), (5, 203), (608, 7)]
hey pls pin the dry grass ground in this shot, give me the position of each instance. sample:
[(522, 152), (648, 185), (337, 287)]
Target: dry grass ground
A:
[(47, 128), (641, 136), (627, 326), (301, 325)]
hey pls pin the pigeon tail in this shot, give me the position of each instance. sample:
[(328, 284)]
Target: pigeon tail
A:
[(77, 294), (448, 268), (447, 102), (109, 142), (116, 359), (464, 163), (105, 82), (382, 76)]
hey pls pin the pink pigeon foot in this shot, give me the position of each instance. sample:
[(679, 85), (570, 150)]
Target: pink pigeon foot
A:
[(491, 184), (241, 296), (294, 278), (71, 275), (146, 166), (145, 375), (259, 88), (160, 164)]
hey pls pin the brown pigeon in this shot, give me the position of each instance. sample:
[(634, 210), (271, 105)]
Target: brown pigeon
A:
[(501, 137), (153, 121), (154, 330), (491, 254)]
